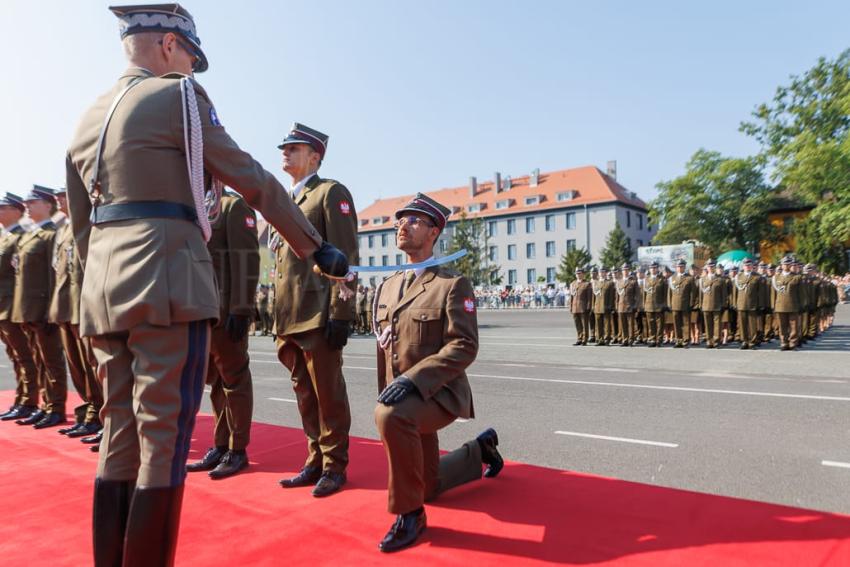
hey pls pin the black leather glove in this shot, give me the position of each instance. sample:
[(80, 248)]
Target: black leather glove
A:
[(336, 332), (237, 327), (397, 390), (331, 260)]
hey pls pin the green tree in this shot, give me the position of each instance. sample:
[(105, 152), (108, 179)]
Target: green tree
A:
[(720, 201), (569, 262), (805, 136), (470, 233), (813, 247), (618, 249)]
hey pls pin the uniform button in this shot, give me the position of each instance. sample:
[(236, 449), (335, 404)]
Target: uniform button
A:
[(395, 355), (395, 337), (423, 317), (395, 319)]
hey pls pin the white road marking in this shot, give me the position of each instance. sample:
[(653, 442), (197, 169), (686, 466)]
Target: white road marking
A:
[(609, 369), (549, 337), (621, 439), (462, 420), (835, 464), (284, 400), (671, 388)]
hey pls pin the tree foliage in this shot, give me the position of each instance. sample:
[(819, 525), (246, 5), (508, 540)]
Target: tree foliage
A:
[(813, 247), (618, 249), (470, 233), (720, 201), (569, 262)]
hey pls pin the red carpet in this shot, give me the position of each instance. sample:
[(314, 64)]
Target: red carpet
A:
[(528, 516)]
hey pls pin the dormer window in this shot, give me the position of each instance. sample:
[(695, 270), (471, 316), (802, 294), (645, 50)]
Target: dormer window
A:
[(474, 208), (533, 200), (503, 204), (567, 195)]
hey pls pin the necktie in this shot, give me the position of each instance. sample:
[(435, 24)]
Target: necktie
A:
[(409, 276)]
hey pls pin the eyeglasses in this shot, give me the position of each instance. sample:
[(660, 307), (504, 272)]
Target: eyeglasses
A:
[(412, 221), (186, 47)]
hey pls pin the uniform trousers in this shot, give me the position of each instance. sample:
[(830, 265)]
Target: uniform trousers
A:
[(83, 374), (789, 328), (759, 318), (322, 398), (804, 325), (417, 472), (46, 346), (713, 326), (231, 390), (153, 380), (654, 326), (628, 327), (582, 321), (604, 326), (748, 327), (18, 350), (681, 325)]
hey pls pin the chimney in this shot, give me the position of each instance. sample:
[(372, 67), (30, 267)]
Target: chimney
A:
[(508, 183), (498, 185), (473, 187), (535, 177), (611, 170)]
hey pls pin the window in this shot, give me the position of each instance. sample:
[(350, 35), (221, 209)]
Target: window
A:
[(640, 222), (512, 277), (474, 208), (371, 260), (397, 259), (503, 204), (371, 241), (532, 275), (571, 220), (377, 220), (385, 260), (640, 242), (511, 251), (511, 226), (531, 201), (628, 219), (566, 195), (529, 224), (494, 253), (492, 228), (550, 223), (550, 275), (444, 245), (571, 245), (529, 250), (550, 249), (384, 239), (364, 222)]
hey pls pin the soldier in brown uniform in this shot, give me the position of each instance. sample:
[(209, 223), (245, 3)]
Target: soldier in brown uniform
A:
[(680, 300), (427, 336), (748, 303), (18, 350), (654, 304), (786, 304), (65, 313), (731, 332), (695, 315), (581, 306), (604, 304), (627, 298), (640, 316), (137, 170), (33, 289), (713, 299), (234, 248), (312, 317)]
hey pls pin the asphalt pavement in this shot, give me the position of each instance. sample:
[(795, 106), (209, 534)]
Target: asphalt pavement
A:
[(763, 425)]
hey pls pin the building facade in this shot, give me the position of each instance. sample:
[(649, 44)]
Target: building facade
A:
[(530, 222)]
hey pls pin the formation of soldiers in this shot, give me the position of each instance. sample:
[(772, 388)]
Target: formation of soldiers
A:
[(793, 303)]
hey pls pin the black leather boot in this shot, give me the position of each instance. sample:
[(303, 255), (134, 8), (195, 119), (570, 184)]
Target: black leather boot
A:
[(152, 526), (111, 507)]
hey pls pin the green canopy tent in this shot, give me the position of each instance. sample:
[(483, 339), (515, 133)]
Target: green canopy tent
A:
[(733, 258)]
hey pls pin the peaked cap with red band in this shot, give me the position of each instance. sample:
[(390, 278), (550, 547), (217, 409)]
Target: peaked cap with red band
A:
[(300, 134), (422, 203)]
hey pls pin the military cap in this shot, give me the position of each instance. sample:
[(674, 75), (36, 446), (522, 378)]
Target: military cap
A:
[(748, 262), (300, 134), (164, 18), (626, 266), (683, 263), (594, 270), (603, 269), (12, 200), (770, 267), (786, 261), (422, 203), (711, 262), (579, 270), (39, 193), (762, 264), (654, 264)]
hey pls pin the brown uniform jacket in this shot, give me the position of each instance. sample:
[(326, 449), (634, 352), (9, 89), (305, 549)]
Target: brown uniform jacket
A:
[(787, 293), (748, 292), (604, 296), (303, 300), (8, 260), (158, 271), (234, 247), (713, 293), (434, 336), (681, 290), (654, 293), (627, 295), (34, 275), (581, 297), (64, 305)]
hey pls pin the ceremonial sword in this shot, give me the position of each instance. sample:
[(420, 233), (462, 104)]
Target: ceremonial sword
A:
[(353, 270)]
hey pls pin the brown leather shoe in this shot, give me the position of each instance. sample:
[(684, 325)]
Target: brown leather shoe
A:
[(329, 483), (307, 477)]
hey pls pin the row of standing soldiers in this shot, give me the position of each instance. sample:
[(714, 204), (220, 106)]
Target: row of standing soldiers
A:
[(794, 303), (264, 310)]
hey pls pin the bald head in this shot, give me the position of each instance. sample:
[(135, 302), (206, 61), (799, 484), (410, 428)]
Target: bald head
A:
[(161, 53)]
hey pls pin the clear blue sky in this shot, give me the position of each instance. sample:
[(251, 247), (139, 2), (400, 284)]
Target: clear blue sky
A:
[(421, 95)]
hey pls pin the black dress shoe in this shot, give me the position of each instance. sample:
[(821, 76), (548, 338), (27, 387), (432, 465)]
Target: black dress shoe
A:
[(307, 477), (577, 343), (32, 419), (51, 419), (210, 461), (21, 412), (84, 429), (93, 439), (231, 463), (67, 430), (12, 409), (329, 483), (489, 453), (404, 532)]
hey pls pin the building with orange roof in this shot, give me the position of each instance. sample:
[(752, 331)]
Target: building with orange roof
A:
[(531, 221)]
